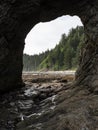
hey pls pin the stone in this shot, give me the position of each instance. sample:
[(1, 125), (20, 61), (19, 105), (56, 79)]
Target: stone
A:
[(18, 17), (73, 108)]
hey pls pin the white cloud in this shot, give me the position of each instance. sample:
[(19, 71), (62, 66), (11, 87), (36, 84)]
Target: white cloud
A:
[(46, 35)]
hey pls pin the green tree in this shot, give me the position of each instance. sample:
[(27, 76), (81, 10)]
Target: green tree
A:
[(65, 55)]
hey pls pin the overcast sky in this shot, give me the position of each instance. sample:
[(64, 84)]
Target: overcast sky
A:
[(45, 36)]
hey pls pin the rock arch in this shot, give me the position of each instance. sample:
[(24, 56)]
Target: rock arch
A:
[(17, 17)]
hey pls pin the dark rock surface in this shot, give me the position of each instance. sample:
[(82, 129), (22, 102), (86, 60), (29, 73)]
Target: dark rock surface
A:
[(38, 106), (49, 106), (17, 17)]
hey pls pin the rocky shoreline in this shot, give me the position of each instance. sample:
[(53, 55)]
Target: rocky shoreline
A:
[(49, 102)]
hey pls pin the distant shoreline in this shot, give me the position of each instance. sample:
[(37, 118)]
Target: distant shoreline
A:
[(67, 72)]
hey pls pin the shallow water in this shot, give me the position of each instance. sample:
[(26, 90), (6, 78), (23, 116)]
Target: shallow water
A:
[(29, 107), (28, 103)]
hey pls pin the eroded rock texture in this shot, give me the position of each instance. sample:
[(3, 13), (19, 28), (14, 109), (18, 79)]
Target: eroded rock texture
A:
[(17, 17), (87, 73), (48, 103)]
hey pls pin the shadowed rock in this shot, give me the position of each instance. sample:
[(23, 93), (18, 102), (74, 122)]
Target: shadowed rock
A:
[(17, 17), (69, 108)]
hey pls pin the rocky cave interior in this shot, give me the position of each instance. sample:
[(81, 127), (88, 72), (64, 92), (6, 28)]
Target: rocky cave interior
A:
[(17, 17)]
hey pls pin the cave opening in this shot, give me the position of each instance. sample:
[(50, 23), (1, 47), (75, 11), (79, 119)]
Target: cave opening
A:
[(36, 106), (17, 20), (45, 39)]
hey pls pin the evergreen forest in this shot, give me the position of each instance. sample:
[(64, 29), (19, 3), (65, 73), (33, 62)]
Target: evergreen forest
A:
[(64, 56)]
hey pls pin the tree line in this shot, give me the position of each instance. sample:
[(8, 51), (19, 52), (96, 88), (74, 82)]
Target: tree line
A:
[(64, 56)]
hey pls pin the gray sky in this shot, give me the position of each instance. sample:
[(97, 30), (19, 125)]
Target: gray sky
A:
[(45, 36)]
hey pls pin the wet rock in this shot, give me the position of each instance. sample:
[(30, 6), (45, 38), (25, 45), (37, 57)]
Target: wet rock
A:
[(49, 106), (26, 104), (32, 93)]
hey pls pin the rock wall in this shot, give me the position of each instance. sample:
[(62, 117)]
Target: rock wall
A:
[(17, 17), (87, 73)]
